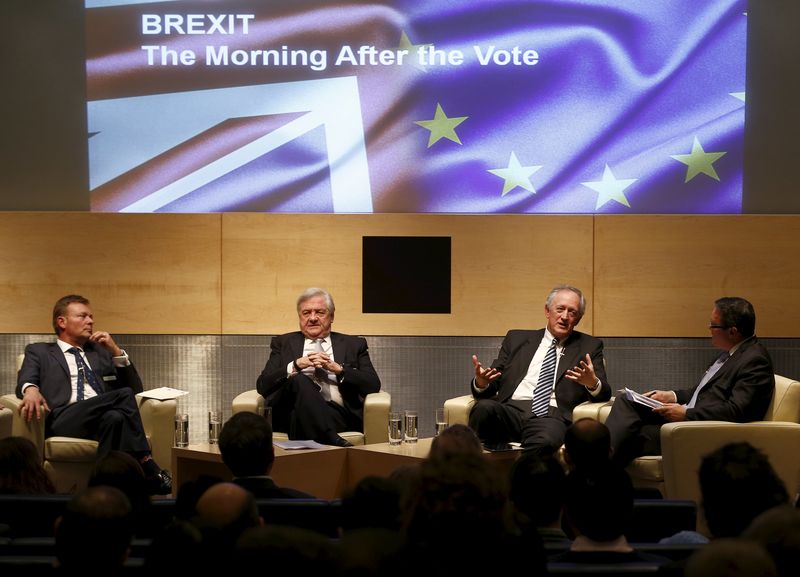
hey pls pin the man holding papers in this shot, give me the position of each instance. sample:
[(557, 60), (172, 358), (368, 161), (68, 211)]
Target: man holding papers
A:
[(737, 387)]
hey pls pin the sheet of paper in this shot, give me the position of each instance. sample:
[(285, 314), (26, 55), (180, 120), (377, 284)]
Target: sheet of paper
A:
[(298, 445), (639, 398), (162, 393)]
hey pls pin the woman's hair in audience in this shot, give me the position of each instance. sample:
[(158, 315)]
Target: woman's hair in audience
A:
[(21, 469)]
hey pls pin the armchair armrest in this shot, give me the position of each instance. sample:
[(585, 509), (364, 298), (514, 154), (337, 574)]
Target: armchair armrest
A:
[(33, 430), (684, 444), (158, 418), (248, 402), (376, 417), (590, 410), (457, 409)]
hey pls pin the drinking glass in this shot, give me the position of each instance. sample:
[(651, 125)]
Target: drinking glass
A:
[(410, 427), (182, 430), (214, 426), (441, 420), (395, 428)]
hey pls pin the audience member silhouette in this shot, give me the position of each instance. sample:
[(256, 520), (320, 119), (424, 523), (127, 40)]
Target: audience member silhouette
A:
[(123, 471), (778, 531), (598, 507), (189, 494), (245, 443), (284, 550), (456, 438), (737, 483), (587, 445), (374, 502), (536, 492), (224, 512), (21, 470), (176, 548), (728, 557), (459, 500), (94, 534)]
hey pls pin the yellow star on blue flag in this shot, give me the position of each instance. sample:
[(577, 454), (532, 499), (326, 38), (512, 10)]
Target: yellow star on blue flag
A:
[(441, 126), (515, 175), (699, 161), (610, 188)]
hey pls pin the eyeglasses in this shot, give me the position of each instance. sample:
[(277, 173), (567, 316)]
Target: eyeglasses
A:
[(717, 327)]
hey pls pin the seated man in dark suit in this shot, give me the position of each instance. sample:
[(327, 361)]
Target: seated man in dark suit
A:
[(539, 377), (315, 380), (88, 384), (737, 387), (245, 443)]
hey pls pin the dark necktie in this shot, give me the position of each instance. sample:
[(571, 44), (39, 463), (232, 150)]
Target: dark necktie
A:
[(85, 374), (321, 374), (544, 388)]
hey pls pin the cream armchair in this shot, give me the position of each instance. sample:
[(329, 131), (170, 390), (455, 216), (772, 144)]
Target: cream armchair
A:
[(376, 416), (683, 444), (69, 460)]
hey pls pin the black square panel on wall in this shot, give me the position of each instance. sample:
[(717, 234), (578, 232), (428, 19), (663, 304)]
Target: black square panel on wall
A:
[(406, 274)]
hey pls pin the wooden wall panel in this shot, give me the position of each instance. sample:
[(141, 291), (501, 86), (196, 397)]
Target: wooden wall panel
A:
[(502, 269), (660, 275), (144, 273)]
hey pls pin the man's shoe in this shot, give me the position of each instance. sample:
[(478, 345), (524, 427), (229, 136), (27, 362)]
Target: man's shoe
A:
[(340, 442), (161, 483)]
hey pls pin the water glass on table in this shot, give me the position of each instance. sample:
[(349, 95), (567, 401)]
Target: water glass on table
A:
[(395, 428), (182, 430), (441, 421), (410, 429), (214, 426)]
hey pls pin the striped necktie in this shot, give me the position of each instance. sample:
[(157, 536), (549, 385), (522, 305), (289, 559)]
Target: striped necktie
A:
[(544, 388), (85, 375), (320, 374)]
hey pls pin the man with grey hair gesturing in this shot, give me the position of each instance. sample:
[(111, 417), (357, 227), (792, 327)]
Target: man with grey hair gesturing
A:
[(538, 378), (316, 380)]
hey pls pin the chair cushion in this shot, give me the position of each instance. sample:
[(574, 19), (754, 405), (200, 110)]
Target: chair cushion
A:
[(70, 450), (647, 468)]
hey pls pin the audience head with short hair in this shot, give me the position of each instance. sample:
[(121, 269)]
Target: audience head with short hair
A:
[(123, 471), (778, 531), (245, 443), (455, 439), (94, 533), (587, 444), (537, 489), (730, 558), (599, 504), (374, 502), (737, 483)]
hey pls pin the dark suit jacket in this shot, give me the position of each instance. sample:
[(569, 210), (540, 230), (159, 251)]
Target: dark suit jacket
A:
[(739, 392), (515, 357), (265, 488), (356, 382), (45, 365)]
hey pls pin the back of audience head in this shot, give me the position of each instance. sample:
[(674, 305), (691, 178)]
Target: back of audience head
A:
[(374, 502), (457, 438), (122, 470), (599, 504), (778, 531), (537, 489), (94, 533), (737, 483), (245, 443), (284, 550), (729, 557), (21, 469), (459, 496), (587, 445), (189, 494)]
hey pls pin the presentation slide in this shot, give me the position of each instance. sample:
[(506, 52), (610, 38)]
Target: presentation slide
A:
[(434, 106)]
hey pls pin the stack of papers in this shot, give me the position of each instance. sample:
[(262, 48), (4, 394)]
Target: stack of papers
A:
[(297, 445), (640, 398), (162, 393)]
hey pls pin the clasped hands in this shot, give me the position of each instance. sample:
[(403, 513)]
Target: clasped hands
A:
[(319, 360)]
